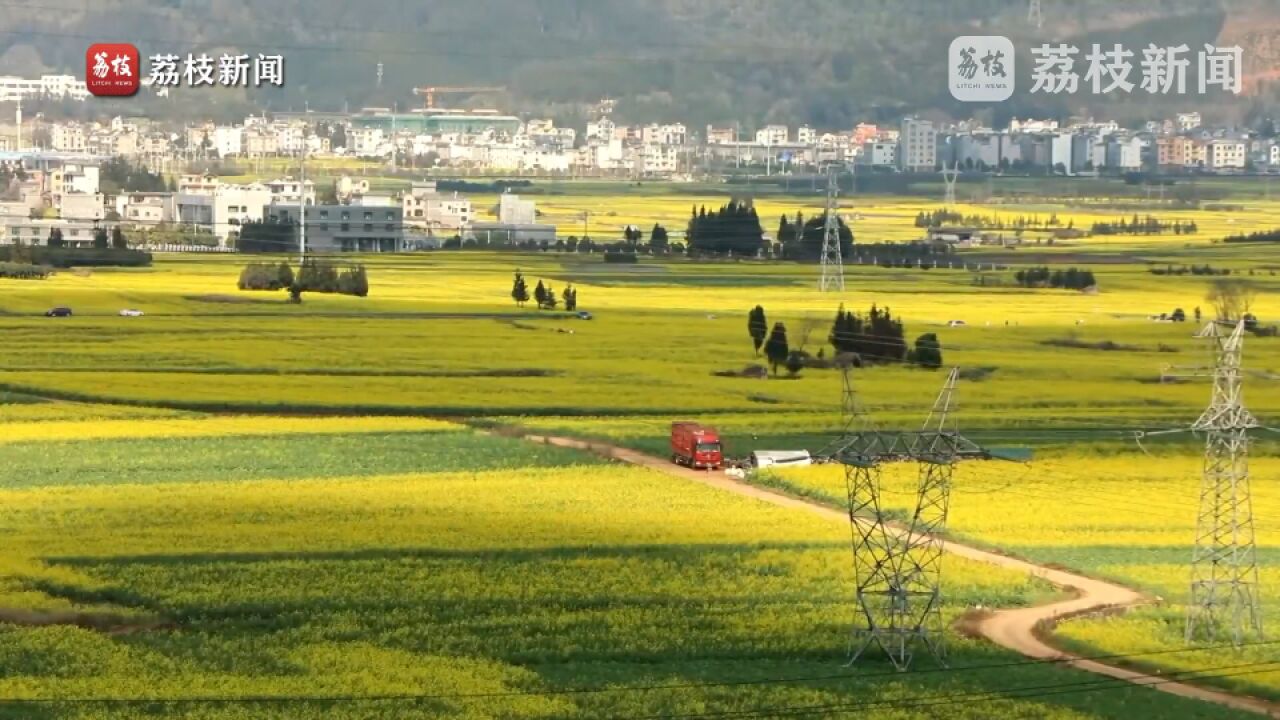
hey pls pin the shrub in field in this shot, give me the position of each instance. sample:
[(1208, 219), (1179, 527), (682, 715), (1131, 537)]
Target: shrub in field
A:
[(23, 271), (261, 276), (928, 351), (315, 276), (1070, 279), (65, 257)]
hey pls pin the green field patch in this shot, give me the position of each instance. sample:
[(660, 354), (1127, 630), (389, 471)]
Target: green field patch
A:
[(237, 458)]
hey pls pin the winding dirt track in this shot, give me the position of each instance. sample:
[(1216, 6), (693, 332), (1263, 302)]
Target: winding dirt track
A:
[(1018, 629)]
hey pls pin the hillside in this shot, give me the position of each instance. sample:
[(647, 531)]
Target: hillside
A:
[(825, 62)]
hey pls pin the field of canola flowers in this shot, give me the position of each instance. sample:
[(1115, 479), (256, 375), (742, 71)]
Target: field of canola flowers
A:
[(1125, 516), (534, 570), (262, 513)]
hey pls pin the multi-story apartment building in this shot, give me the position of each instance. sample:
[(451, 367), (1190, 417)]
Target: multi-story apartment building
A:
[(56, 86), (917, 146), (426, 208), (773, 135), (1227, 154), (67, 137), (370, 224)]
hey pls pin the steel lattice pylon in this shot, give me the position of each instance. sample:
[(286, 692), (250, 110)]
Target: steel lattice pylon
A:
[(949, 177), (898, 570), (832, 259), (1224, 566)]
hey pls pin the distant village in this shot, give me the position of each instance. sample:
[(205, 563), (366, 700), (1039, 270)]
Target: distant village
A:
[(51, 167)]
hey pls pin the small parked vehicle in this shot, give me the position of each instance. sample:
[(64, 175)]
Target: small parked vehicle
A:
[(956, 323), (130, 312), (58, 312), (584, 315)]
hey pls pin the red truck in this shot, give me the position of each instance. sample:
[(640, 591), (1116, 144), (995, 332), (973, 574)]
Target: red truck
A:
[(696, 446)]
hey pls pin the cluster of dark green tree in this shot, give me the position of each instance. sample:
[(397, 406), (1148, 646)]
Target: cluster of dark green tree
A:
[(119, 175), (876, 337), (315, 275), (1150, 225), (543, 294), (1256, 237), (1069, 279), (734, 229), (268, 236), (904, 255), (803, 240), (102, 240), (1205, 269), (24, 271), (110, 249), (266, 276), (942, 216), (325, 276)]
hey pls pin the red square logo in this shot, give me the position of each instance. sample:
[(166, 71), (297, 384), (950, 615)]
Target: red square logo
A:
[(112, 69)]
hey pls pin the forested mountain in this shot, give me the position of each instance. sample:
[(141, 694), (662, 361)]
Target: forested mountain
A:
[(824, 62)]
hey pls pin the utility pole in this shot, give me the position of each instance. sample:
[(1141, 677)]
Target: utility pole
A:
[(832, 259), (302, 201), (1224, 565), (18, 121)]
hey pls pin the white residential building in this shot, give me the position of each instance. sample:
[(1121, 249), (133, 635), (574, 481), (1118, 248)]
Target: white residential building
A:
[(67, 137), (1227, 154), (228, 140), (1188, 121), (57, 86), (514, 211), (917, 146), (772, 135), (879, 154), (424, 207), (806, 135), (288, 190), (721, 136)]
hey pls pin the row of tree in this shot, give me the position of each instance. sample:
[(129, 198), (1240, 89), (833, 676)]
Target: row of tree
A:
[(1205, 269), (1150, 225), (734, 229), (943, 216), (1070, 279), (1256, 237), (543, 294), (315, 275), (804, 240)]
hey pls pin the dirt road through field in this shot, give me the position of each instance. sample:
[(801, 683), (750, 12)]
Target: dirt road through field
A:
[(1014, 629)]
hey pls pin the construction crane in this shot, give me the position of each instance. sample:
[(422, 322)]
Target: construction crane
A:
[(429, 93)]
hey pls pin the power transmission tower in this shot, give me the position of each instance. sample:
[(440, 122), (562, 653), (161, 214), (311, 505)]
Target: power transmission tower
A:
[(898, 570), (1035, 14), (1224, 566), (832, 260), (949, 176)]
